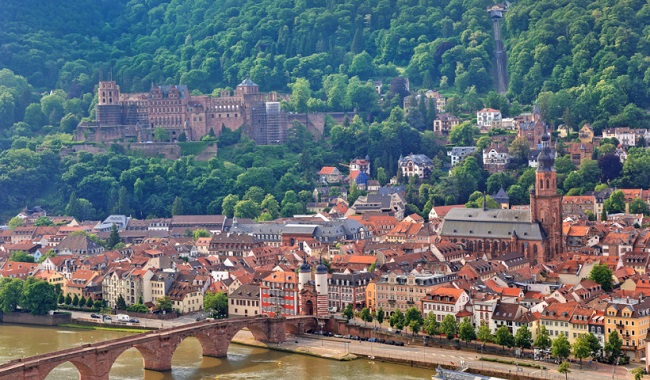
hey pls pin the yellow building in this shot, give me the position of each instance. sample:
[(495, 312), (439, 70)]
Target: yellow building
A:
[(557, 317), (185, 297), (579, 323), (630, 318), (371, 301), (51, 276)]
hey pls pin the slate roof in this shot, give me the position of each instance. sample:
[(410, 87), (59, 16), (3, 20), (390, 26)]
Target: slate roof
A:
[(182, 90), (418, 159), (251, 292), (462, 150), (501, 196), (491, 223), (247, 83)]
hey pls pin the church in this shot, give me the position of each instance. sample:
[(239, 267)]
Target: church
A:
[(536, 232)]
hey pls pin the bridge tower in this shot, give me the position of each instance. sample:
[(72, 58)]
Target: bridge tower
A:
[(322, 301)]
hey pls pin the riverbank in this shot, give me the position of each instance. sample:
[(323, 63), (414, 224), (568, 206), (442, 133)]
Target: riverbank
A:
[(105, 328), (429, 358), (245, 338)]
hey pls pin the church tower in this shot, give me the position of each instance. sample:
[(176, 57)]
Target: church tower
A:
[(546, 203)]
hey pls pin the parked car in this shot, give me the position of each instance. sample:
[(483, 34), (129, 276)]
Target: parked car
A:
[(338, 336), (398, 331), (107, 318), (346, 336), (391, 342), (381, 340), (401, 344), (372, 340), (134, 320), (329, 333), (94, 315)]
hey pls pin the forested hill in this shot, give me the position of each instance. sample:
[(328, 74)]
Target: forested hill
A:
[(591, 57), (208, 44), (582, 60), (595, 49)]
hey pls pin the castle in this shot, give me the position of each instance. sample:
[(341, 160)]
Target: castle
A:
[(136, 116)]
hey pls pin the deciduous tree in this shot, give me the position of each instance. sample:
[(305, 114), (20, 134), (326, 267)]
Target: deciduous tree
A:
[(504, 337), (466, 331), (484, 333), (561, 348), (11, 293), (165, 303), (397, 320), (39, 297), (543, 340), (603, 276), (523, 337), (449, 326)]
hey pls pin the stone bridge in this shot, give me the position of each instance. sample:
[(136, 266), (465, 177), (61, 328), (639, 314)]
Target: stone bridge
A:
[(94, 361)]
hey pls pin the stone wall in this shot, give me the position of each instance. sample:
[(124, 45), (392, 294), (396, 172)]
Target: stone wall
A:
[(169, 150), (315, 122), (41, 320), (162, 317)]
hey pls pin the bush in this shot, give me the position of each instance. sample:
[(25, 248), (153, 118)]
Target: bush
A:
[(137, 308), (512, 362)]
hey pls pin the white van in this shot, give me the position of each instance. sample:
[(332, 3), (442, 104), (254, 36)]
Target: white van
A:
[(123, 318)]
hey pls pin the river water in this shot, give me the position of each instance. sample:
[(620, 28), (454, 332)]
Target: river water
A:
[(188, 364)]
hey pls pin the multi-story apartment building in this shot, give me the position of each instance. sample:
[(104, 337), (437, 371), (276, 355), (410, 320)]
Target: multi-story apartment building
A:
[(130, 283), (244, 301), (631, 319), (403, 291), (348, 289), (557, 317), (279, 293), (445, 301), (487, 116)]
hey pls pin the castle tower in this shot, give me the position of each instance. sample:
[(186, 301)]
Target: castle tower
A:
[(108, 93), (109, 108), (546, 203)]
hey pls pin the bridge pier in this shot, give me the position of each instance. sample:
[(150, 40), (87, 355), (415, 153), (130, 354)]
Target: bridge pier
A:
[(214, 345), (276, 330), (158, 354)]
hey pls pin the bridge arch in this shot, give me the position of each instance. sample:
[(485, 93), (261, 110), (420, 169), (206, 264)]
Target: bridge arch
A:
[(130, 355), (85, 371)]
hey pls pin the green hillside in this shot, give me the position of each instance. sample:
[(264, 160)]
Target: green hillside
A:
[(583, 61)]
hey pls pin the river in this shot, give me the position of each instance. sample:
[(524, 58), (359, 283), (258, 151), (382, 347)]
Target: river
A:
[(242, 362)]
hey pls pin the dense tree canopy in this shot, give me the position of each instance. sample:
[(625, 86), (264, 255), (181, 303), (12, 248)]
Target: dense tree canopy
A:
[(582, 61)]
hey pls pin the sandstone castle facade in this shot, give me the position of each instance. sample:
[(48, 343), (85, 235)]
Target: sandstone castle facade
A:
[(136, 116)]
